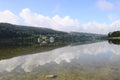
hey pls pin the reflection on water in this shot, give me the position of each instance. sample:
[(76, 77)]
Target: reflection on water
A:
[(90, 61), (13, 51), (114, 41)]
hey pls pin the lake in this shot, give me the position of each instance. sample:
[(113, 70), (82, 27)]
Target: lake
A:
[(92, 61)]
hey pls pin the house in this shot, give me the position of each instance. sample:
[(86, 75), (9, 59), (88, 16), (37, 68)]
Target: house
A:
[(52, 39), (42, 39)]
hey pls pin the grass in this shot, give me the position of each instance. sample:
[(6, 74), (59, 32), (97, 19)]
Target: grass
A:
[(113, 38)]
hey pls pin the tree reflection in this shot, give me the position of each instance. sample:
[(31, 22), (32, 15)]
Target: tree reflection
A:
[(114, 41)]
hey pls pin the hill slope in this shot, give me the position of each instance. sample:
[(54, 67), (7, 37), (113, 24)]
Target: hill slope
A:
[(9, 31)]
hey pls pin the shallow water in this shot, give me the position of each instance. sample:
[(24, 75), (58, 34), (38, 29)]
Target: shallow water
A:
[(95, 61)]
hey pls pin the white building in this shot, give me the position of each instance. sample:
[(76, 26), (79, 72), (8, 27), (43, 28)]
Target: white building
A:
[(52, 39)]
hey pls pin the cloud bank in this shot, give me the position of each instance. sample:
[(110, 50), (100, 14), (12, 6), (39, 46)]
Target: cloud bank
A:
[(57, 22), (8, 16)]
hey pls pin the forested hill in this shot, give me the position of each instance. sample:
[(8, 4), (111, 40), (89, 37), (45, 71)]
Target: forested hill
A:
[(9, 30)]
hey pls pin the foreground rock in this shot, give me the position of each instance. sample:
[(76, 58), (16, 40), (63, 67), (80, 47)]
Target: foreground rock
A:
[(52, 76)]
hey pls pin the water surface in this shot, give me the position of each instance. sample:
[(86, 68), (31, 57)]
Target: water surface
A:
[(95, 61)]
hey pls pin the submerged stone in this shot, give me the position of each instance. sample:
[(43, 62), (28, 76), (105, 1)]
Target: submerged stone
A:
[(51, 76)]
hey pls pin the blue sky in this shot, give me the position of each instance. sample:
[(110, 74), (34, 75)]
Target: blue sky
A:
[(81, 15)]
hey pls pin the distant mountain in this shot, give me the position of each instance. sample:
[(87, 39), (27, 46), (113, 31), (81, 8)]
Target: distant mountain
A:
[(90, 35), (82, 33)]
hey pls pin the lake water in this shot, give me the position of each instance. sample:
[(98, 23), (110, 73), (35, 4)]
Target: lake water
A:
[(95, 61)]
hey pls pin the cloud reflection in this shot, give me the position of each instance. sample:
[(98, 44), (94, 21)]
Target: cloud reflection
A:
[(68, 53)]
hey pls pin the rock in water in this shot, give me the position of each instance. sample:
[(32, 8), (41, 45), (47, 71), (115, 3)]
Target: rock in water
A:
[(51, 76)]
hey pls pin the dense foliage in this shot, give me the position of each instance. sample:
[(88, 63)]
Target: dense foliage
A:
[(11, 31), (114, 34)]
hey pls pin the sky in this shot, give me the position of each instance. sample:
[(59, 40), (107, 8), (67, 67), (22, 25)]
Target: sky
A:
[(94, 16)]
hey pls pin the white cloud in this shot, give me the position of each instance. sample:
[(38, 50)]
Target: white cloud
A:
[(104, 5), (34, 18), (8, 16), (66, 23), (95, 27), (57, 22), (102, 28), (115, 25)]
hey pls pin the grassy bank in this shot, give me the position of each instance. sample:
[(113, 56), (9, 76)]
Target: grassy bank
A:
[(113, 38)]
